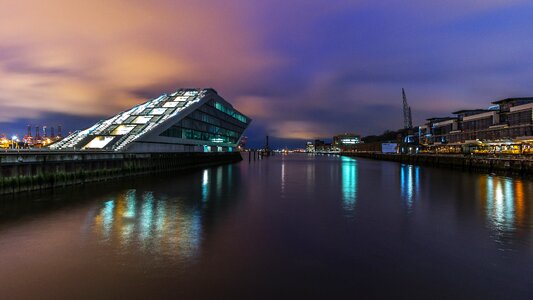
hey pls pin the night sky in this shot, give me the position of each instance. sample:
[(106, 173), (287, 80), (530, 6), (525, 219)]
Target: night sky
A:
[(300, 69)]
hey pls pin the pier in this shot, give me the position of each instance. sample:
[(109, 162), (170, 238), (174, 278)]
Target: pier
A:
[(503, 165), (36, 170)]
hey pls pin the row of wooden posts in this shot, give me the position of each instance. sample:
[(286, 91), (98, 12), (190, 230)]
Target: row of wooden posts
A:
[(259, 154)]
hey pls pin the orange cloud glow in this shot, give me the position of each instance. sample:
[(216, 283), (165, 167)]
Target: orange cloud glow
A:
[(91, 57)]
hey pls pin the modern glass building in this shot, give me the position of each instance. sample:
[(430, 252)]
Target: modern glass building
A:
[(188, 120)]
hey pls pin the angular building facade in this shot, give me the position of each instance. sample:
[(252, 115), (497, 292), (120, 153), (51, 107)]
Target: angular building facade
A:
[(187, 120)]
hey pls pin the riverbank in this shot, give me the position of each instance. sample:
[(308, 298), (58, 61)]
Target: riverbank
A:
[(501, 165), (29, 171)]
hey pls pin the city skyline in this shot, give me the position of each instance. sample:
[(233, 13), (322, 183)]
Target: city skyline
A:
[(300, 70)]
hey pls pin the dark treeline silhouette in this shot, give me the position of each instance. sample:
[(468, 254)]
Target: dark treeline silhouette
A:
[(388, 135)]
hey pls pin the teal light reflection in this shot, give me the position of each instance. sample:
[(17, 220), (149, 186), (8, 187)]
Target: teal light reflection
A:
[(205, 185), (130, 204), (160, 216), (152, 223), (500, 207), (349, 183), (128, 216), (409, 184), (107, 217), (189, 241), (147, 215)]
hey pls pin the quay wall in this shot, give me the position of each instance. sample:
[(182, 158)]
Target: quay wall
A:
[(27, 171), (501, 165)]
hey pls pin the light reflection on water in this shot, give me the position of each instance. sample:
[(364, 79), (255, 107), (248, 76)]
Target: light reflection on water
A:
[(177, 233), (205, 185), (502, 201), (282, 177), (151, 223), (155, 222), (409, 184), (349, 183), (310, 173)]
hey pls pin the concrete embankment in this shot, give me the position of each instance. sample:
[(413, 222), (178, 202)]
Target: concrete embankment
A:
[(27, 171), (502, 165)]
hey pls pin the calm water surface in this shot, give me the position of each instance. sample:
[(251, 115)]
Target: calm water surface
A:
[(294, 226)]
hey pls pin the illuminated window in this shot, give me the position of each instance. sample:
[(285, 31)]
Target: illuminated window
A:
[(230, 112), (351, 141), (123, 129), (217, 140), (170, 104), (181, 98), (99, 142), (122, 118), (142, 120), (158, 111)]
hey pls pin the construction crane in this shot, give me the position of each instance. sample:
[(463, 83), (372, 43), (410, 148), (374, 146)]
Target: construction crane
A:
[(407, 119)]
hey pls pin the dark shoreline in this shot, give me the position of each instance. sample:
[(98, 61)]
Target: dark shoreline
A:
[(480, 164), (22, 172)]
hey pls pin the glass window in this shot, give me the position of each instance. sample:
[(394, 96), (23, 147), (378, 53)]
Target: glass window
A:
[(158, 111), (99, 142), (123, 129), (170, 104), (181, 98)]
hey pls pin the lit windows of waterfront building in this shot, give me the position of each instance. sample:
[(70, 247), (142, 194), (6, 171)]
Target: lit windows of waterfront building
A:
[(188, 120), (310, 147), (346, 141), (506, 127)]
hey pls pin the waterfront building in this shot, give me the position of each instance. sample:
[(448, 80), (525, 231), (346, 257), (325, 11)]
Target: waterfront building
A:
[(321, 146), (506, 127), (310, 147), (187, 120), (346, 141)]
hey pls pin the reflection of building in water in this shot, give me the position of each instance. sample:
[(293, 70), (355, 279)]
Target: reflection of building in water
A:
[(503, 202), (151, 223), (205, 185), (310, 177), (520, 205), (282, 177), (409, 184), (349, 182)]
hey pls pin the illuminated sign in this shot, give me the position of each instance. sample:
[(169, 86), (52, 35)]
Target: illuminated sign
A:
[(389, 148)]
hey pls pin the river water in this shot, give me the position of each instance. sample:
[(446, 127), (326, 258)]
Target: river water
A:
[(288, 226)]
